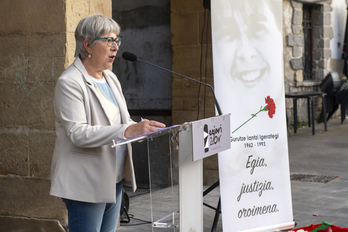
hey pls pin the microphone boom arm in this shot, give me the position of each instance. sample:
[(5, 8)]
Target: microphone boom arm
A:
[(212, 89)]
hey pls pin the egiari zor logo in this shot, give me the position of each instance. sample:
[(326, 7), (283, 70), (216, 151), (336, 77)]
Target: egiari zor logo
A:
[(206, 138)]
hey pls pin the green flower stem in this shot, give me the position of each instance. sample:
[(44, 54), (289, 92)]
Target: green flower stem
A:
[(252, 116)]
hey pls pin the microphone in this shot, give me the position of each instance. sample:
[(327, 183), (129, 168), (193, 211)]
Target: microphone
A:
[(129, 56), (132, 57)]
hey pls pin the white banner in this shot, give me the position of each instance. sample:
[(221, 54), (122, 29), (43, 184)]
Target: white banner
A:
[(249, 83)]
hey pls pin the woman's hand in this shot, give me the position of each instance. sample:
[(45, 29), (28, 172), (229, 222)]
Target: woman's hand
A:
[(143, 127)]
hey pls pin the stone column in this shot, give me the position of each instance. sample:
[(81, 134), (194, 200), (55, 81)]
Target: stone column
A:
[(188, 44), (36, 44), (322, 34)]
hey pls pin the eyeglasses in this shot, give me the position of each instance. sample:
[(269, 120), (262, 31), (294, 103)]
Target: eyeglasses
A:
[(111, 41)]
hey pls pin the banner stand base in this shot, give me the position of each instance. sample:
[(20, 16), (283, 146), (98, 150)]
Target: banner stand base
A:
[(278, 227)]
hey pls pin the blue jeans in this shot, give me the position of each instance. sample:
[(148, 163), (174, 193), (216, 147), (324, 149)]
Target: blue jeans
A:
[(94, 217)]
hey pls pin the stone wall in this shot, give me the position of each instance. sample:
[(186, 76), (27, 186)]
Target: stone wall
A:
[(37, 44), (293, 37), (322, 34), (188, 19)]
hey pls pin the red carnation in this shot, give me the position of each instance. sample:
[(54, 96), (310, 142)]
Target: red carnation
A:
[(270, 106)]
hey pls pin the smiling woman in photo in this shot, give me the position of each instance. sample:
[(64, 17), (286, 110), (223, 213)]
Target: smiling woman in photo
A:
[(247, 37)]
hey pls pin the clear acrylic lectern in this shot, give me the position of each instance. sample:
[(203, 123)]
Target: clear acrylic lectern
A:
[(178, 206)]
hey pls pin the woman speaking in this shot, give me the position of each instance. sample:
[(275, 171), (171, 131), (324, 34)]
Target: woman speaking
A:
[(86, 172)]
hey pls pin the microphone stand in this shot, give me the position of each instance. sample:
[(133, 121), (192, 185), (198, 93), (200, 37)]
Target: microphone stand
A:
[(212, 187)]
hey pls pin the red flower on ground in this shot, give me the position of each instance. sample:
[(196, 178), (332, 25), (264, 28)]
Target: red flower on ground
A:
[(270, 106)]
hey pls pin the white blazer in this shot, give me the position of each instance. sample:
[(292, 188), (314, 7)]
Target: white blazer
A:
[(83, 163)]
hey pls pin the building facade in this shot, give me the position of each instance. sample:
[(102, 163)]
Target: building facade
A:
[(37, 44)]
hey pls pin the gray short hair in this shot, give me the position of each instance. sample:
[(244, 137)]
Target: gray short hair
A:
[(92, 27)]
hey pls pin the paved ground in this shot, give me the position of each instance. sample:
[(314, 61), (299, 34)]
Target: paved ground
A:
[(163, 205), (324, 155)]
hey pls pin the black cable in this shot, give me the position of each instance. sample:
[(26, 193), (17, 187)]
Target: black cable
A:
[(139, 194), (132, 217), (200, 68), (206, 54), (201, 64)]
